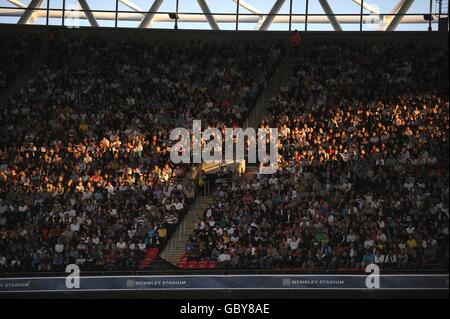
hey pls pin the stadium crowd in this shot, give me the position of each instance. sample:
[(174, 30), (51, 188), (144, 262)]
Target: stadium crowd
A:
[(15, 56), (363, 168), (85, 174)]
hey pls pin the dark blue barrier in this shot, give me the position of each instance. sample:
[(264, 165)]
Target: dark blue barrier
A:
[(137, 283)]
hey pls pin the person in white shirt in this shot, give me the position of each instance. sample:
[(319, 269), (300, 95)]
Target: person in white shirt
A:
[(59, 247), (15, 262), (410, 230), (71, 213), (121, 244), (224, 258), (179, 206), (96, 240), (218, 230), (209, 213), (74, 226), (142, 246), (2, 261), (350, 238), (382, 237), (295, 243), (113, 212), (368, 243)]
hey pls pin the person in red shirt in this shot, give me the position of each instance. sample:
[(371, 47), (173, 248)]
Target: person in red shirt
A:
[(296, 38)]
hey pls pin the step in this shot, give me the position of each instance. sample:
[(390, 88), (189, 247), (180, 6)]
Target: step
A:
[(177, 244)]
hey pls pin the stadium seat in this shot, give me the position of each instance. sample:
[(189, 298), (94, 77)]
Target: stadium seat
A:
[(152, 255), (182, 265), (212, 265), (142, 266), (192, 265)]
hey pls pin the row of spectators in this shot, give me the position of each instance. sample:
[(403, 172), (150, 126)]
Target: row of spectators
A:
[(363, 168), (85, 172)]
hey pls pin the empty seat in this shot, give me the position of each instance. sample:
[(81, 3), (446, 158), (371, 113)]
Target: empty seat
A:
[(203, 265), (192, 265), (142, 266), (182, 265), (212, 265)]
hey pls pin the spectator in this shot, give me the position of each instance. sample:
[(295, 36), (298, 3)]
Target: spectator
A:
[(363, 169), (295, 43)]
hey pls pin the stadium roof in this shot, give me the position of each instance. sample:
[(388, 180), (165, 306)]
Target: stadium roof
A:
[(337, 15)]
